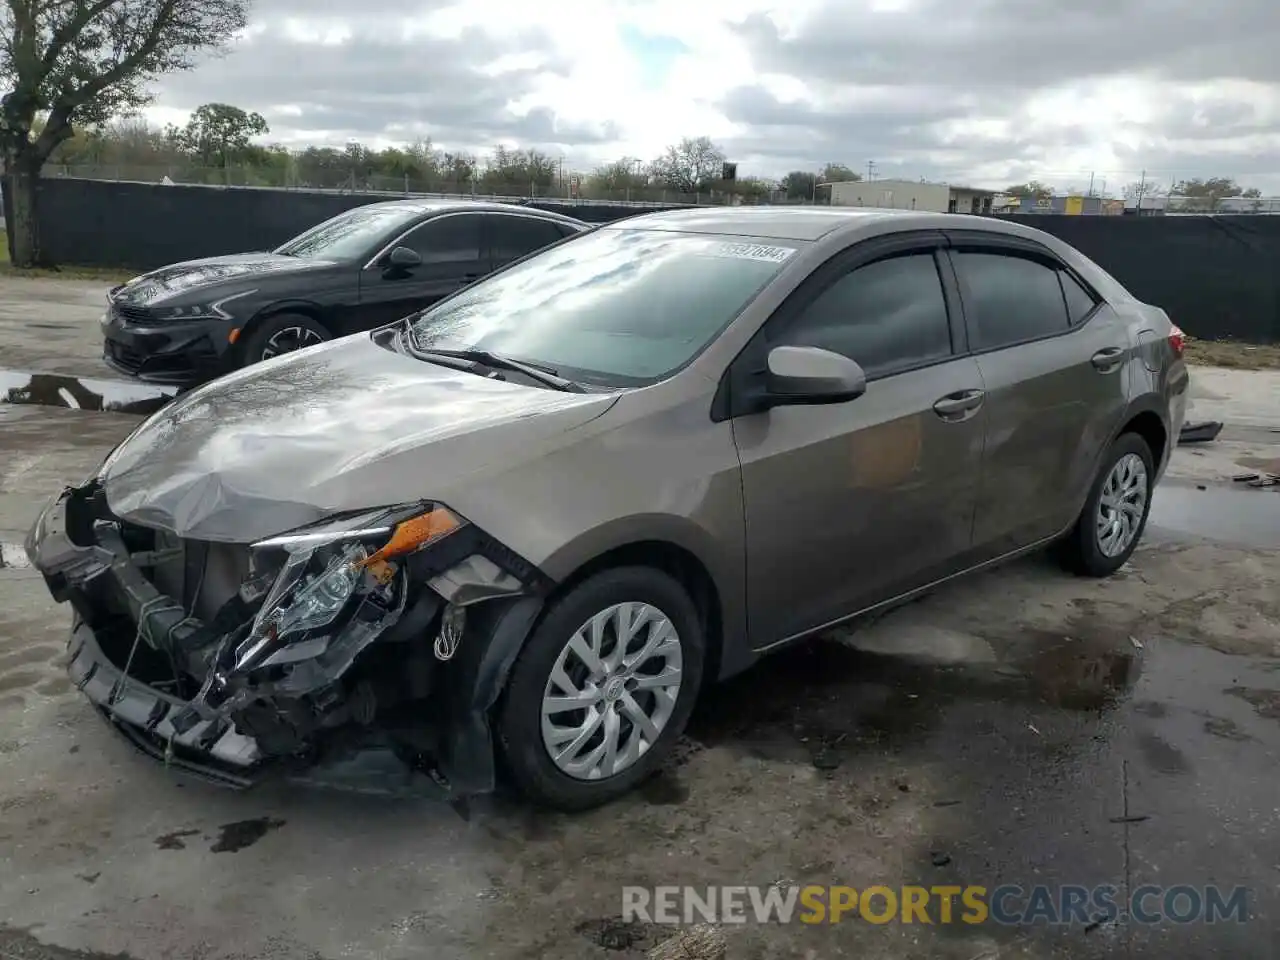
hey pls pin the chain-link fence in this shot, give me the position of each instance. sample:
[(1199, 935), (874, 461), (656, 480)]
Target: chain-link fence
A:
[(1178, 204), (486, 184)]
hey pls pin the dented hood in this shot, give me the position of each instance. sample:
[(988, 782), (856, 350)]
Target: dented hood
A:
[(344, 426)]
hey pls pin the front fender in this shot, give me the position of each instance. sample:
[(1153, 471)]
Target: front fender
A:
[(723, 559), (466, 755)]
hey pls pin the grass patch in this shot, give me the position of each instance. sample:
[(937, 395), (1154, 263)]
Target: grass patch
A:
[(101, 274), (1237, 356)]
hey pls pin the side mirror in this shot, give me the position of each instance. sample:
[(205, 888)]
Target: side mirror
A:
[(402, 258), (811, 375)]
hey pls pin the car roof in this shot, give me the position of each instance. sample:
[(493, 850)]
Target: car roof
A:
[(425, 207), (777, 223), (812, 223)]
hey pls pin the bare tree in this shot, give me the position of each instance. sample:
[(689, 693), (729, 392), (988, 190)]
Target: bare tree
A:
[(689, 166), (69, 62)]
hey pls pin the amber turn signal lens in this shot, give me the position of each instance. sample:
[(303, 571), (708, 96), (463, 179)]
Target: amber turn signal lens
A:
[(414, 533)]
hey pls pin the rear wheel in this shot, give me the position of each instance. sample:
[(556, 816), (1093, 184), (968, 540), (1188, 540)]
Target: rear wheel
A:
[(1115, 514), (603, 689), (283, 333)]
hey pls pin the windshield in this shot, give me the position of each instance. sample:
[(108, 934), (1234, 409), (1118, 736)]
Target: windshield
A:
[(349, 235), (615, 307)]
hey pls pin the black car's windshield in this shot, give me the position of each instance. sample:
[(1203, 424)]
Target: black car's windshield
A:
[(615, 307), (349, 235)]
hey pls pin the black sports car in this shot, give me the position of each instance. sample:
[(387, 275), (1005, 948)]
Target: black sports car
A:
[(190, 322)]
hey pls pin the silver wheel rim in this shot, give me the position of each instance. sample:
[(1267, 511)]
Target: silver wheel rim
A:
[(612, 691), (290, 339), (1122, 504)]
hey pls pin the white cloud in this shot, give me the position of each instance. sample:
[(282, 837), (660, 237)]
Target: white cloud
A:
[(981, 92)]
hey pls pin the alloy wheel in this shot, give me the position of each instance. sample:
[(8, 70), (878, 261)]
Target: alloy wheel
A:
[(1122, 505), (612, 690), (290, 339)]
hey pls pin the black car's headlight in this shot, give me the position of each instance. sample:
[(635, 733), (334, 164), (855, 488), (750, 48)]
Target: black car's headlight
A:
[(338, 577), (212, 310)]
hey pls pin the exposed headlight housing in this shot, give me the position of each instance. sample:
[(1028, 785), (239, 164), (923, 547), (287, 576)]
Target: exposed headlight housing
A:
[(341, 585)]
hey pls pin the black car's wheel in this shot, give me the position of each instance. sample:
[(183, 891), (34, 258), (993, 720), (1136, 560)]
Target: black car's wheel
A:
[(602, 689), (283, 333), (1115, 514)]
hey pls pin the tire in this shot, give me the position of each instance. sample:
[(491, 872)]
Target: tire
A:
[(520, 721), (1082, 550), (273, 332)]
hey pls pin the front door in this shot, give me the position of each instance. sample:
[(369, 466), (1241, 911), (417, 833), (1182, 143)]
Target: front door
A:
[(453, 255), (1053, 357), (852, 504)]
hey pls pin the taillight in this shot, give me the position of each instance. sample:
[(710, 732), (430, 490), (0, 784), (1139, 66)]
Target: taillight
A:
[(1177, 340)]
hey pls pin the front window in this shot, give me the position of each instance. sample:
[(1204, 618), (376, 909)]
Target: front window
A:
[(614, 307), (350, 235)]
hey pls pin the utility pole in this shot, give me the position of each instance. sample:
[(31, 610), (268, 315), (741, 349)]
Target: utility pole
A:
[(1091, 183), (1142, 189), (871, 169)]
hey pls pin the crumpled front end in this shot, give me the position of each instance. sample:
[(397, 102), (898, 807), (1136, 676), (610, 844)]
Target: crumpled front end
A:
[(391, 626)]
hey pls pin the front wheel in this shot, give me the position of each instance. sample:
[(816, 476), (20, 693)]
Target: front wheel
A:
[(283, 333), (603, 689), (1115, 514)]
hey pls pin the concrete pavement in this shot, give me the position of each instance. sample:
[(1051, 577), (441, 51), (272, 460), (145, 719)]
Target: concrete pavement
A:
[(1019, 727)]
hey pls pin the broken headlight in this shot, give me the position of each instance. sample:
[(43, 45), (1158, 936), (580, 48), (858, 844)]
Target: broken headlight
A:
[(339, 577)]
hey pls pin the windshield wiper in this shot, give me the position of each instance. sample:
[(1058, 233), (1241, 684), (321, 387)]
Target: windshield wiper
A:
[(498, 361)]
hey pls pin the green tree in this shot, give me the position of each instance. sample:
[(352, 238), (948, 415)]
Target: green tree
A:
[(1206, 195), (82, 62), (803, 185), (839, 173), (616, 180), (1032, 188), (519, 172), (219, 134), (800, 185)]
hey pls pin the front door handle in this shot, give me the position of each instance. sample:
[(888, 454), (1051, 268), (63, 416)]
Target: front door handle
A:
[(958, 406), (1104, 361)]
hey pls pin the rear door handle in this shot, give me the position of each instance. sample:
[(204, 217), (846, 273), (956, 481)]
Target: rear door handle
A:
[(958, 406), (1104, 361)]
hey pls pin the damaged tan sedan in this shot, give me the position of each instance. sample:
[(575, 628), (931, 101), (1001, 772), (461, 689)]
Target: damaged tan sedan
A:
[(522, 528)]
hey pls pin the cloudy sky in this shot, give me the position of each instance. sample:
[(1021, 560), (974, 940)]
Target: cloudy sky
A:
[(987, 92)]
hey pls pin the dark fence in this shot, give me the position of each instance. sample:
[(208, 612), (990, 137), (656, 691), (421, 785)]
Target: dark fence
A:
[(1218, 277), (142, 226)]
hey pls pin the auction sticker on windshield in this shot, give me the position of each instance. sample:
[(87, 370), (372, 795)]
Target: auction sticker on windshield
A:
[(752, 251)]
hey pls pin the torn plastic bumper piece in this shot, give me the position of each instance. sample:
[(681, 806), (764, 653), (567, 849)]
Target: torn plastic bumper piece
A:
[(211, 750)]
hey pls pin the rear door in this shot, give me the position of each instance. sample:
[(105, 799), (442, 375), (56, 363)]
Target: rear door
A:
[(514, 235), (850, 504), (1054, 362), (452, 251)]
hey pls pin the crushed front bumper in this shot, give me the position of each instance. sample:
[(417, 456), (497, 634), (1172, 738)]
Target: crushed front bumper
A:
[(86, 575), (211, 750), (84, 560)]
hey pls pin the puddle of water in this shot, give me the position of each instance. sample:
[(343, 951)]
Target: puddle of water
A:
[(13, 557), (829, 695), (82, 393), (1250, 517)]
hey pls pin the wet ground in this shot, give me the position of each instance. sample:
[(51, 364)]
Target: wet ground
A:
[(1021, 727)]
